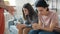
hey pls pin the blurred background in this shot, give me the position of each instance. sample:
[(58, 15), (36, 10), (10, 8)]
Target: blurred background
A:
[(18, 4)]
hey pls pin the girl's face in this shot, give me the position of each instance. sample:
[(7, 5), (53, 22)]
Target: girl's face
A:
[(42, 11), (25, 11)]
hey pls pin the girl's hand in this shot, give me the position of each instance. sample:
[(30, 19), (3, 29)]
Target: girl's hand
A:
[(20, 26)]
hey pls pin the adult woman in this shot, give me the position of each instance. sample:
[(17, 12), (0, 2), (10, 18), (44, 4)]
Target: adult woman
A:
[(29, 18), (2, 21), (47, 20)]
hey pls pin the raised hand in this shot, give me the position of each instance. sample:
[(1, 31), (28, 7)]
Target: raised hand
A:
[(10, 9)]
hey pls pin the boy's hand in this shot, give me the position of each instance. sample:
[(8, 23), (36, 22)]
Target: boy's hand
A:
[(34, 26)]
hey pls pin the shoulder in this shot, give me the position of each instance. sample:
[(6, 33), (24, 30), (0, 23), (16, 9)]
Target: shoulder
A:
[(53, 12)]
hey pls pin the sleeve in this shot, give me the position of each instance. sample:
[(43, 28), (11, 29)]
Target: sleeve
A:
[(35, 19), (28, 24), (55, 20)]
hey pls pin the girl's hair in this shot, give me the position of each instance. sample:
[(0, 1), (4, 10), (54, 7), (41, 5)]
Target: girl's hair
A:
[(42, 3), (30, 10)]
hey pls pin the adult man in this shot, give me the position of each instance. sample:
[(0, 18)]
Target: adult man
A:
[(3, 7)]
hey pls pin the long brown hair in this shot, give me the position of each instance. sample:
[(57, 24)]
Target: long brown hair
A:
[(30, 10)]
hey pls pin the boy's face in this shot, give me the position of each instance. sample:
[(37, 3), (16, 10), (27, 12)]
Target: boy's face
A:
[(42, 10)]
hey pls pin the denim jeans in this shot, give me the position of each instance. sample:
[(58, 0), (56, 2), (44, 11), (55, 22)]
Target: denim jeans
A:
[(40, 32), (34, 32), (57, 32), (46, 32)]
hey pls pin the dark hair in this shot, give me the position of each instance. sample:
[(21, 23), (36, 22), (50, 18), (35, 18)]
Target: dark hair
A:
[(42, 3), (30, 10)]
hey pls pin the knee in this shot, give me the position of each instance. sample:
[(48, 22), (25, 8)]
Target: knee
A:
[(46, 32), (26, 30), (42, 32), (33, 31)]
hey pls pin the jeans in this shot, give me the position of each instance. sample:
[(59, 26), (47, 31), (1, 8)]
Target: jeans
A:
[(57, 32), (46, 32), (33, 32), (40, 32)]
